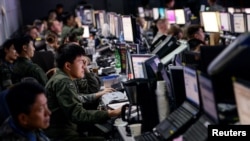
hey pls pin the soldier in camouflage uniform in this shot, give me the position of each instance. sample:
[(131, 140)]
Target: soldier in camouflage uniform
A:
[(8, 56), (91, 82), (24, 67), (27, 104), (66, 103)]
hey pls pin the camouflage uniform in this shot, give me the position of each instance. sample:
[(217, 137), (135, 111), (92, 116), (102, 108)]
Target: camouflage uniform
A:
[(9, 132), (67, 29), (67, 110), (91, 83), (6, 70), (26, 68)]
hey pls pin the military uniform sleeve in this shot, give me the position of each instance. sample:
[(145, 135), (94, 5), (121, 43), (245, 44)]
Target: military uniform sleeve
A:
[(38, 73), (71, 105), (90, 84), (87, 98)]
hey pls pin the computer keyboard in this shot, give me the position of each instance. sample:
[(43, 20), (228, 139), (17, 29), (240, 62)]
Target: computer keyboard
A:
[(114, 97), (147, 136)]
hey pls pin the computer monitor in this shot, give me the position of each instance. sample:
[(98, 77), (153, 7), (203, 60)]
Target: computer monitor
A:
[(247, 10), (137, 64), (79, 12), (162, 13), (177, 84), (111, 19), (242, 96), (230, 10), (118, 25), (188, 14), (180, 16), (232, 61), (225, 21), (166, 46), (209, 104), (170, 14), (88, 13), (141, 13), (248, 22), (129, 28), (191, 85), (85, 31), (210, 21), (239, 22), (155, 13), (208, 54), (151, 66), (133, 48), (149, 14), (100, 18)]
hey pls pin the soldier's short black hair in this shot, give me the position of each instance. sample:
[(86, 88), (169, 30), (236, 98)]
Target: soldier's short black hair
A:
[(22, 96), (68, 53), (25, 40), (192, 29), (6, 45)]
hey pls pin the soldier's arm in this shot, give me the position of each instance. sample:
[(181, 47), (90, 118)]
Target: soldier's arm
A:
[(72, 106), (90, 84), (88, 98), (38, 73)]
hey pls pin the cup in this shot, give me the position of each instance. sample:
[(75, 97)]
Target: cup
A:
[(135, 129), (94, 67)]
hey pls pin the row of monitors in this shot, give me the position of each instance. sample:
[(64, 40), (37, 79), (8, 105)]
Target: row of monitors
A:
[(116, 23), (174, 16), (225, 21)]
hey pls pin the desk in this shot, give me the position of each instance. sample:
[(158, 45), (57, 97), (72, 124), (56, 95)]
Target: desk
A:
[(123, 133)]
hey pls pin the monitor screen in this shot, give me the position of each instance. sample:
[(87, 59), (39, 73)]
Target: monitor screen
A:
[(210, 21), (133, 48), (151, 66), (88, 16), (162, 13), (112, 27), (85, 31), (155, 13), (230, 10), (97, 23), (171, 16), (239, 22), (247, 10), (225, 21), (177, 84), (207, 95), (127, 28), (102, 18), (248, 22), (180, 16), (137, 64), (191, 85), (141, 12), (118, 25), (242, 97)]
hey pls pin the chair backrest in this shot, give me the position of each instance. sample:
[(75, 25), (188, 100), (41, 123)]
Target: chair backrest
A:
[(45, 59), (4, 111)]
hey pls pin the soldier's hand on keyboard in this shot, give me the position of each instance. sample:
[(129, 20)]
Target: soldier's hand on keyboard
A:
[(105, 91), (115, 113)]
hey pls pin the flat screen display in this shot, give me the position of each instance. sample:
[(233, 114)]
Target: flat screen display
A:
[(210, 22)]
